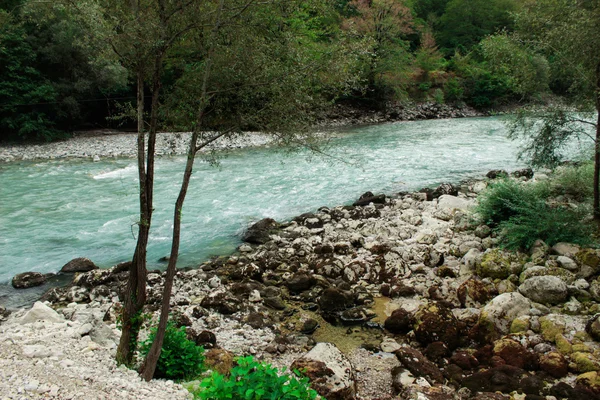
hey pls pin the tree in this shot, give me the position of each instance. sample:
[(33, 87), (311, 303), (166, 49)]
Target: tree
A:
[(383, 25), (466, 22), (568, 31), (141, 34), (527, 72), (50, 69), (254, 65)]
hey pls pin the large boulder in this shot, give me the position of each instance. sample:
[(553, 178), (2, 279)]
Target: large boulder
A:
[(418, 365), (330, 372), (28, 279), (497, 264), (436, 323), (80, 264), (497, 316), (368, 198), (449, 202), (260, 232), (544, 289), (41, 312)]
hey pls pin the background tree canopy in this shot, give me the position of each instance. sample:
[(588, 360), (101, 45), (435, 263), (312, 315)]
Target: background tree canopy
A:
[(59, 71)]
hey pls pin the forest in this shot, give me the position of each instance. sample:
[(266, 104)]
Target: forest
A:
[(73, 65)]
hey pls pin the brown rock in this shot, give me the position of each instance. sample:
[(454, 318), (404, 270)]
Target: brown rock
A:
[(28, 279), (554, 364), (513, 353), (399, 322), (80, 264), (219, 360), (475, 292), (418, 365), (434, 322)]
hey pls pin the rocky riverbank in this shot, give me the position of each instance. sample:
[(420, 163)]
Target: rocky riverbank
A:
[(106, 143), (414, 299)]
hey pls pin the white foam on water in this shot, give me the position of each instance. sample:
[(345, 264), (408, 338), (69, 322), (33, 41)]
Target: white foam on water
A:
[(129, 171)]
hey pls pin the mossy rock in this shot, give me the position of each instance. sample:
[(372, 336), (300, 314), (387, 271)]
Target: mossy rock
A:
[(554, 364), (591, 380), (581, 348), (585, 362), (520, 325), (588, 257), (565, 275), (562, 344), (497, 264), (435, 322), (549, 329)]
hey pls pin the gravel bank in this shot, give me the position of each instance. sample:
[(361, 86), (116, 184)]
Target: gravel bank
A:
[(110, 144)]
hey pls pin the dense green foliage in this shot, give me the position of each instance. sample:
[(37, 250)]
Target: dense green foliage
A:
[(252, 380), (69, 65), (53, 73), (521, 213), (180, 357)]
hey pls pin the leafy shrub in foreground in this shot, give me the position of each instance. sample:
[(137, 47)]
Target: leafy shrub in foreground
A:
[(179, 358), (251, 380)]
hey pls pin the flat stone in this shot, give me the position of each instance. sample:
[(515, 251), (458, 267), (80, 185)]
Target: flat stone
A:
[(41, 312)]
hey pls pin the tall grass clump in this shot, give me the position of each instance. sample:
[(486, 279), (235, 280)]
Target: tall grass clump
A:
[(520, 214), (252, 380)]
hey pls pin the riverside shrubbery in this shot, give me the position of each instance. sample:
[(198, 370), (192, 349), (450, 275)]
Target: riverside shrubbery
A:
[(252, 380), (179, 358), (522, 213)]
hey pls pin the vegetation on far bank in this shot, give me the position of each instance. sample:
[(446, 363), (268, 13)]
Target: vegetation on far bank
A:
[(59, 70)]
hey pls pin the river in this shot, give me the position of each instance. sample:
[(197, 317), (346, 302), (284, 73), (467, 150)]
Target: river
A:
[(54, 211)]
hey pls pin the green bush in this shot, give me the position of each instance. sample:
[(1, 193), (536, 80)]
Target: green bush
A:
[(251, 380), (520, 214), (575, 182), (180, 358), (507, 198), (551, 224)]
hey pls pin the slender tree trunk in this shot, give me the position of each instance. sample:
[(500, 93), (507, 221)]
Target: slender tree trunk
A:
[(135, 292), (149, 365), (597, 152)]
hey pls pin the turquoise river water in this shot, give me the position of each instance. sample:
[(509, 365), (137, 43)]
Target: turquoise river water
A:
[(53, 211)]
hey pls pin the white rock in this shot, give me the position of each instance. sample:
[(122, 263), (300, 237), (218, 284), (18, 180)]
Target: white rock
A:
[(503, 309), (42, 312), (254, 296), (342, 382), (544, 289), (452, 202), (389, 345), (36, 351), (567, 263), (214, 282)]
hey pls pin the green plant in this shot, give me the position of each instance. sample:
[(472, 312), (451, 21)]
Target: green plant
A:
[(574, 181), (179, 357), (520, 214), (550, 224), (453, 90), (507, 198), (252, 380)]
